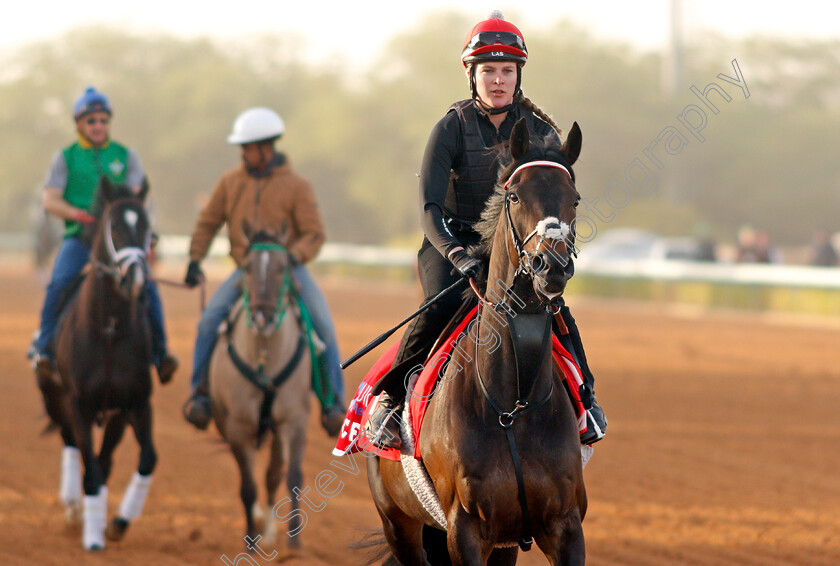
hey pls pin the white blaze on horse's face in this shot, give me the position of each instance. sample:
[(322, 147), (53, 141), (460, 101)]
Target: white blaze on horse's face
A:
[(264, 259), (263, 310), (131, 218)]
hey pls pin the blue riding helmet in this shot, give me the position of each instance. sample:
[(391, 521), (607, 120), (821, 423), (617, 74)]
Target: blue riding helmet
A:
[(91, 101)]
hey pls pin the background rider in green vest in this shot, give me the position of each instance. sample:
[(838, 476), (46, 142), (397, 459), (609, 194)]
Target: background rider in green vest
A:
[(69, 193)]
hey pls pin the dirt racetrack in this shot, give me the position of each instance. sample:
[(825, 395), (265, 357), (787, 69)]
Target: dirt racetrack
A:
[(723, 445)]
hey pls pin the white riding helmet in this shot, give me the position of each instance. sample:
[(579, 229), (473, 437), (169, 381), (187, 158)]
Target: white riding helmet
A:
[(256, 124)]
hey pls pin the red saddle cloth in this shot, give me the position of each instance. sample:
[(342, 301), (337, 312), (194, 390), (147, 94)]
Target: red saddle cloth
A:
[(352, 437)]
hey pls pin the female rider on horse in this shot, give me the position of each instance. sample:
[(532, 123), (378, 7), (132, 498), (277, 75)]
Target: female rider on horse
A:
[(457, 177)]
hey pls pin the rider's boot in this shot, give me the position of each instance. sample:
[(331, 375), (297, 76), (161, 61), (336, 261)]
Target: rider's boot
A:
[(42, 362), (596, 423), (166, 368), (383, 425), (198, 410), (596, 420), (332, 418), (44, 369)]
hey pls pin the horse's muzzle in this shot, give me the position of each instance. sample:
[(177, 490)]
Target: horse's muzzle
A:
[(132, 280), (550, 273), (264, 320)]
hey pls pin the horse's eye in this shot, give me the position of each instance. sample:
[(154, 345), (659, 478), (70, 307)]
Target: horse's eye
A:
[(514, 198), (577, 202)]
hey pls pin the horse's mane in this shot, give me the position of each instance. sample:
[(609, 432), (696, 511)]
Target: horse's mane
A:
[(547, 149), (263, 237)]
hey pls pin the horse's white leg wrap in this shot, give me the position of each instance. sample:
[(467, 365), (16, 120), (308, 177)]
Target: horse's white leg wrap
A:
[(95, 517), (70, 491), (135, 497)]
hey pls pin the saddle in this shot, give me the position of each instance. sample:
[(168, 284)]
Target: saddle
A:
[(352, 438)]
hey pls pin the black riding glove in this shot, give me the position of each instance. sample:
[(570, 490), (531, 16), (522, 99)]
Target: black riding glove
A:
[(194, 274), (466, 265)]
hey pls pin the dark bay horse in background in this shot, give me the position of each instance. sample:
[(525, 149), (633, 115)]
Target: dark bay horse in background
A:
[(500, 439), (103, 360), (260, 383)]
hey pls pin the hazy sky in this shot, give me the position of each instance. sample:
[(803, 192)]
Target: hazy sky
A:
[(359, 29)]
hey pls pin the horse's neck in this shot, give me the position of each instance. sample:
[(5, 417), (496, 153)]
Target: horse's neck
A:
[(494, 348)]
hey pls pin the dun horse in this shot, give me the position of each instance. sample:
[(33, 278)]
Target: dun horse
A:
[(500, 440), (260, 381), (103, 356)]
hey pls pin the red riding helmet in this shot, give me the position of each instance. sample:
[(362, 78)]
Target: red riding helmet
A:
[(494, 39)]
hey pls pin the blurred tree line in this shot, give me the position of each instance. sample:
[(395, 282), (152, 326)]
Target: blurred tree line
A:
[(769, 160)]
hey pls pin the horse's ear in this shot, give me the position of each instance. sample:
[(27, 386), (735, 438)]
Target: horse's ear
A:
[(248, 230), (106, 189), (519, 139), (574, 141), (144, 189)]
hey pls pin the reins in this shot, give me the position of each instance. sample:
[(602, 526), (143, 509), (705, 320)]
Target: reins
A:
[(202, 288)]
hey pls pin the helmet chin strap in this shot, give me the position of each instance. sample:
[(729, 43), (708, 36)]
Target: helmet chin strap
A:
[(517, 94)]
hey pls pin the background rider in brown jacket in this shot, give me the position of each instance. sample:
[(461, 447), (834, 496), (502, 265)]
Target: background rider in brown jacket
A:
[(265, 192)]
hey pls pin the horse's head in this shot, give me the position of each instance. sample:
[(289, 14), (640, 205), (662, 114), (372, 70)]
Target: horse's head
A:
[(267, 278), (122, 236), (528, 224)]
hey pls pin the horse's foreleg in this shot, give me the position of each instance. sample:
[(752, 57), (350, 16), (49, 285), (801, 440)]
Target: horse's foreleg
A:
[(273, 478), (296, 443), (113, 434), (466, 547), (60, 413), (70, 491), (403, 532), (95, 504), (244, 452), (503, 556), (564, 544), (135, 494)]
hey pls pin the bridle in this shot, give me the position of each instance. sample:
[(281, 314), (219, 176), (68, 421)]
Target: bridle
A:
[(547, 229), (282, 303), (532, 264), (121, 260)]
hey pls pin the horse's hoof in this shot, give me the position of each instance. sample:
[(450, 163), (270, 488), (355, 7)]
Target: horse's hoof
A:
[(95, 548), (116, 529), (294, 543)]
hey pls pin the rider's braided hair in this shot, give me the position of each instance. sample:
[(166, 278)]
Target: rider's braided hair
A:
[(526, 102)]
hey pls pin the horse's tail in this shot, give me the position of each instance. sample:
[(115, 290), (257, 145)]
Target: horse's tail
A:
[(373, 542)]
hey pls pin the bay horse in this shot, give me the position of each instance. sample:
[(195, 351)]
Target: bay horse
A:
[(103, 359), (260, 382), (500, 439)]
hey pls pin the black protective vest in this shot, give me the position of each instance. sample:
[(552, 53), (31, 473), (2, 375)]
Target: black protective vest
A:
[(472, 182)]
